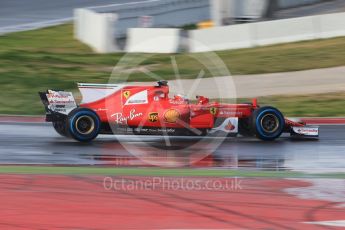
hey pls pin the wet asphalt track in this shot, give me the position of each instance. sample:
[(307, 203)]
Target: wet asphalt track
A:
[(35, 143)]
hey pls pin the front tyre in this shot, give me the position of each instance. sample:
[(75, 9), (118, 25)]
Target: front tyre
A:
[(83, 124), (269, 123)]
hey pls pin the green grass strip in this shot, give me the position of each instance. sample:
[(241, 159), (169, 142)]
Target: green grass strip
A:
[(81, 170)]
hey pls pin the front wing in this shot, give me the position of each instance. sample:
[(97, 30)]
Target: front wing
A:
[(305, 131)]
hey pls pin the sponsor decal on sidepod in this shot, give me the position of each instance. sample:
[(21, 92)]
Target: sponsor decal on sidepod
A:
[(121, 119), (153, 116), (171, 115), (230, 125)]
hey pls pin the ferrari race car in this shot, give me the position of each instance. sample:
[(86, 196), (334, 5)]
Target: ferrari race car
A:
[(127, 109)]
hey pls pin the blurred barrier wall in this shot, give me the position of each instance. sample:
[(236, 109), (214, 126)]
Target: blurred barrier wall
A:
[(165, 13), (98, 31), (153, 40), (293, 3), (220, 38), (102, 26), (95, 30), (223, 10), (267, 33), (332, 25), (281, 31)]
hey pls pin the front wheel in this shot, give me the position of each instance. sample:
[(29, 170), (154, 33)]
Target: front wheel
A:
[(269, 123), (83, 124)]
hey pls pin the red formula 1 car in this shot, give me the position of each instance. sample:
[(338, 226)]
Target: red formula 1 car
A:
[(112, 109)]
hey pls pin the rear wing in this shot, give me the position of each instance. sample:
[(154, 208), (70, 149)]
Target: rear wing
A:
[(57, 103)]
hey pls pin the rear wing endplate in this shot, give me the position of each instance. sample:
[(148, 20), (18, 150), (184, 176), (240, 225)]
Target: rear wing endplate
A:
[(57, 103)]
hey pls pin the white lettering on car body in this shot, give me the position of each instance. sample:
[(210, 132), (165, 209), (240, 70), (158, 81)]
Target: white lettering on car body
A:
[(121, 119)]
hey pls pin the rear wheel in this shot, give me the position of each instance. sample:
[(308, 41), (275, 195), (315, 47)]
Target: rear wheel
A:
[(60, 127), (83, 124), (268, 122)]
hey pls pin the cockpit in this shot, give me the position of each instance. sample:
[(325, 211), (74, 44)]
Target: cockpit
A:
[(163, 92)]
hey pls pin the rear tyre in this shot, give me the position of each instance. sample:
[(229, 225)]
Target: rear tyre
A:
[(268, 122), (83, 124), (60, 127)]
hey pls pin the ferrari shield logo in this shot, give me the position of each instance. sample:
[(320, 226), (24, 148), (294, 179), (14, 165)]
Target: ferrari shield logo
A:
[(153, 117), (213, 111), (126, 94)]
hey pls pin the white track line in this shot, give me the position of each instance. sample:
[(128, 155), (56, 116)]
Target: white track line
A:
[(33, 25), (333, 223), (122, 4)]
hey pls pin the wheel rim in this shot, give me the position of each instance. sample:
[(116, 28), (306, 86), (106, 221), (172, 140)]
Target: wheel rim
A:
[(270, 123), (85, 125)]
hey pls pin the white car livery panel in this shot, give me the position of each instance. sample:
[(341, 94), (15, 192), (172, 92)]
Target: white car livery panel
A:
[(229, 125), (307, 131), (95, 92), (61, 101), (138, 98)]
